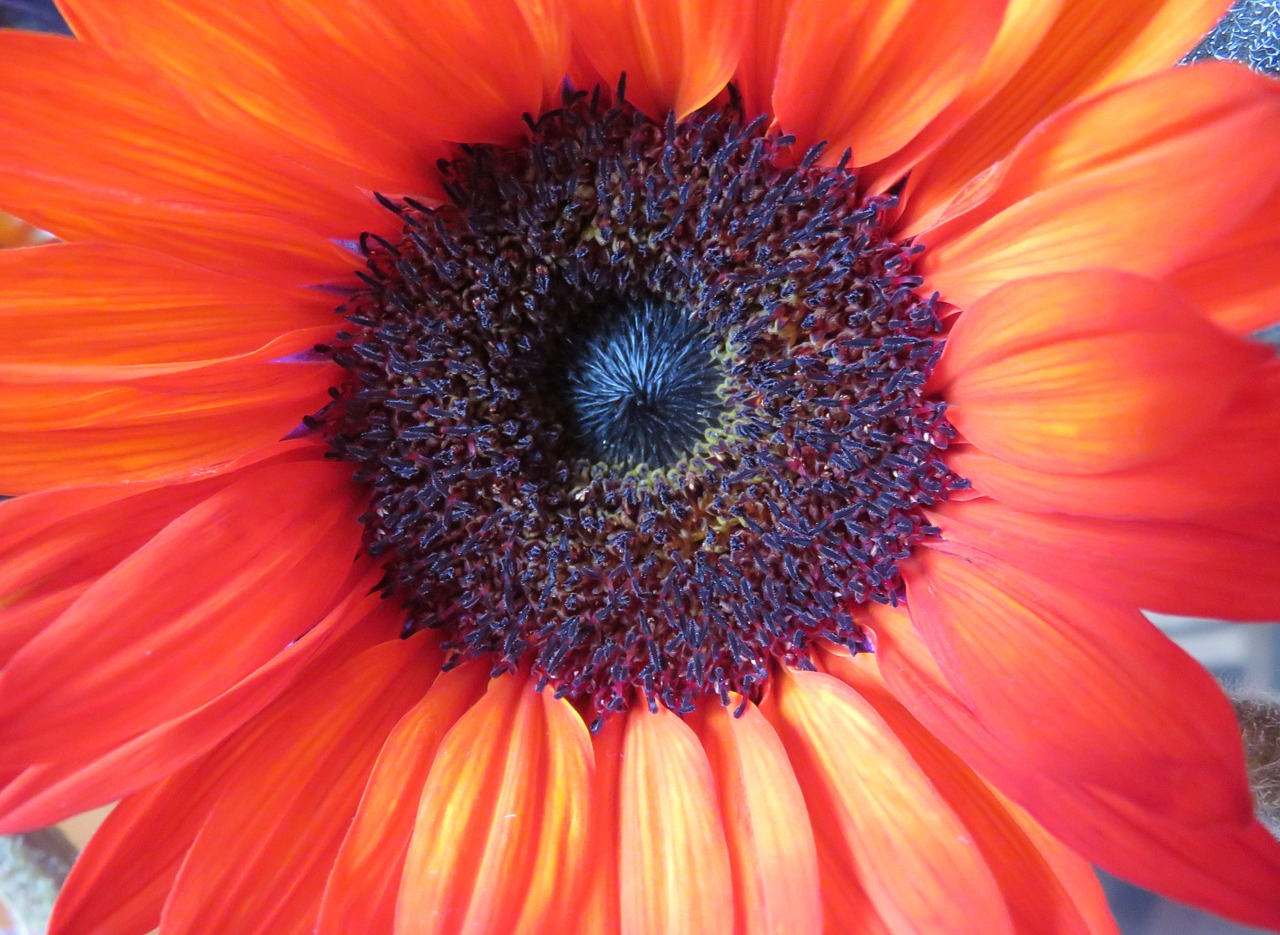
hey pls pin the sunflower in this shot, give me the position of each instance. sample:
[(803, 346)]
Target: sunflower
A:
[(721, 504)]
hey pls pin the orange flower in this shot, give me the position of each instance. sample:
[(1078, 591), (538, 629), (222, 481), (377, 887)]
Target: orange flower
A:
[(653, 445)]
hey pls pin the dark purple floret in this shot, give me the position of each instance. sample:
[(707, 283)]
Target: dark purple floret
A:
[(642, 405)]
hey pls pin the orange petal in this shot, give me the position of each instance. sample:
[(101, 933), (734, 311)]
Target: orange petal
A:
[(1229, 466), (1172, 568), (1072, 872), (677, 54), (119, 883), (675, 871), (758, 64), (92, 151), (295, 780), (1090, 46), (870, 76), (502, 828), (361, 892), (112, 311), (375, 88), (211, 598), (47, 793), (911, 852), (1025, 861), (161, 426), (1023, 25), (1090, 188), (601, 914), (1083, 373), (1232, 868), (1087, 692), (55, 545), (1232, 280), (103, 395), (771, 849)]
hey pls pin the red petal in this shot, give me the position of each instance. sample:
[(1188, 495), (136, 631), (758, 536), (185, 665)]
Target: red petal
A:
[(261, 858), (677, 54), (1229, 468), (120, 881), (211, 598), (870, 76), (1233, 279), (1233, 869), (110, 311), (502, 829), (1042, 883), (771, 849), (1082, 373), (92, 151), (1090, 187), (907, 846), (374, 87), (1086, 692), (675, 872), (1173, 568), (47, 793), (54, 545), (601, 914), (361, 893), (1090, 46)]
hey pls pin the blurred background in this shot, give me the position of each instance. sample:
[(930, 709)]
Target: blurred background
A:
[(1245, 657)]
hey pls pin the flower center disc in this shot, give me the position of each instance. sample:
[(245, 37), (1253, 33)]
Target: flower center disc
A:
[(641, 385), (641, 405)]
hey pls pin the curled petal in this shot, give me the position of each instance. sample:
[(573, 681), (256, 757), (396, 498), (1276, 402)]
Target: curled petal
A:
[(1231, 867)]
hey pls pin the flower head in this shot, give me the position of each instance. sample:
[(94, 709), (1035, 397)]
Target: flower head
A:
[(725, 497)]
